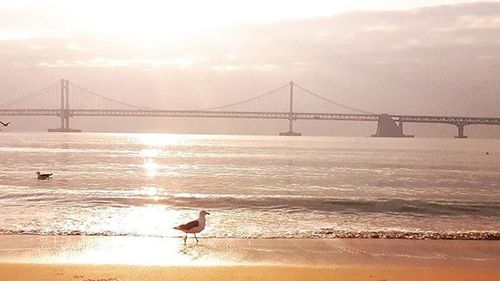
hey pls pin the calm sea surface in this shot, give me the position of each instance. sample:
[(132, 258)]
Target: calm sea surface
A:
[(253, 186)]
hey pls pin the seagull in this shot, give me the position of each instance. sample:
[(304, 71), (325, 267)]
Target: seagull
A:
[(43, 176), (5, 124), (193, 227)]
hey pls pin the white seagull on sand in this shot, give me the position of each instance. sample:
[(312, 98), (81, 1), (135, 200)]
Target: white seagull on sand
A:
[(194, 226)]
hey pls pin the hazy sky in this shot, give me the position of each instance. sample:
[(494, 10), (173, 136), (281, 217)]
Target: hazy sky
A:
[(156, 20), (415, 57)]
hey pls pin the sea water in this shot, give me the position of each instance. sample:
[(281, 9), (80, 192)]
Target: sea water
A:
[(253, 186)]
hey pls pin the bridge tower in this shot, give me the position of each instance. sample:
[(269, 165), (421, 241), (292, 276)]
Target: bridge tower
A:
[(291, 116), (64, 112)]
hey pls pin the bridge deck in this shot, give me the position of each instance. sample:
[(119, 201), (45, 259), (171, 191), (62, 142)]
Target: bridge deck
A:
[(456, 120)]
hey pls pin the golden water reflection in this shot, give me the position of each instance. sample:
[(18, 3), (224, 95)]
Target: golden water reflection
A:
[(115, 250), (156, 220), (147, 251), (151, 167), (158, 140), (131, 250)]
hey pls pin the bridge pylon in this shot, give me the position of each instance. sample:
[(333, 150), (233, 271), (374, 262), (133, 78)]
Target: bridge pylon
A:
[(291, 116), (65, 112)]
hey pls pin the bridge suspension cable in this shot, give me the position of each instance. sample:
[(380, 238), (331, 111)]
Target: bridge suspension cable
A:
[(247, 100), (110, 99), (30, 96), (332, 101), (50, 90)]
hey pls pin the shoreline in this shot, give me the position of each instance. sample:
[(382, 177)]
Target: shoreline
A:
[(94, 258), (222, 252), (323, 234)]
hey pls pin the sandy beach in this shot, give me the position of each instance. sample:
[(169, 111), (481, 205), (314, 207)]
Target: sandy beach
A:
[(61, 272), (30, 258)]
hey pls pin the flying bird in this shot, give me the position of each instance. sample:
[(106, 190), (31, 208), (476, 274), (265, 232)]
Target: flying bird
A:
[(5, 124), (43, 176), (194, 226)]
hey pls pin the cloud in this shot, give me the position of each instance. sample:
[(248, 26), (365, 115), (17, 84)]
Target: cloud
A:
[(244, 67), (114, 63)]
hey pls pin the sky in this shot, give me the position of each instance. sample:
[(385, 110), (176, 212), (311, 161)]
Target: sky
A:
[(400, 57)]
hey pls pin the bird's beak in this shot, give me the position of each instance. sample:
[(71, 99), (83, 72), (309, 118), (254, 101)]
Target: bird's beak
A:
[(207, 213)]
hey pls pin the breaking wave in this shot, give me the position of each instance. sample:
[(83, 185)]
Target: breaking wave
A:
[(299, 204), (322, 234)]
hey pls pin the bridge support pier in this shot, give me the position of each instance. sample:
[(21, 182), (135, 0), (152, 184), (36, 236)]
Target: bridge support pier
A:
[(291, 117), (290, 130), (65, 113), (387, 128), (461, 134)]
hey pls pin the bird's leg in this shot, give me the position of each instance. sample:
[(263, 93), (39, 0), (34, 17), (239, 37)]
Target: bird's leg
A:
[(185, 238), (195, 237)]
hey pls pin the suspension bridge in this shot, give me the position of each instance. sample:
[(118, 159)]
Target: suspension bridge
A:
[(290, 102)]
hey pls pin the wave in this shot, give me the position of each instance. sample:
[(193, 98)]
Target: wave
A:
[(286, 203), (414, 235), (305, 204), (321, 234)]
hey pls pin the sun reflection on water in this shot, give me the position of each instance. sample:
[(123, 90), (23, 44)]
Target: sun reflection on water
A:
[(151, 167), (158, 140), (157, 242), (131, 250), (150, 153), (150, 192)]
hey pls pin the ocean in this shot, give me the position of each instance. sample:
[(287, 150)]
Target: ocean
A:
[(253, 186)]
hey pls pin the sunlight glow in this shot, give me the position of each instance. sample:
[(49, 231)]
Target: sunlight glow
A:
[(151, 167), (149, 21), (149, 220), (135, 251), (152, 19), (158, 140), (150, 191), (149, 153)]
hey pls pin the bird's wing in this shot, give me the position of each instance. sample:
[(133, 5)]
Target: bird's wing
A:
[(189, 225), (46, 175), (3, 123), (7, 124)]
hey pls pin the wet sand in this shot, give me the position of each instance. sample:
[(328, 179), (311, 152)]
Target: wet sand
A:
[(27, 258)]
